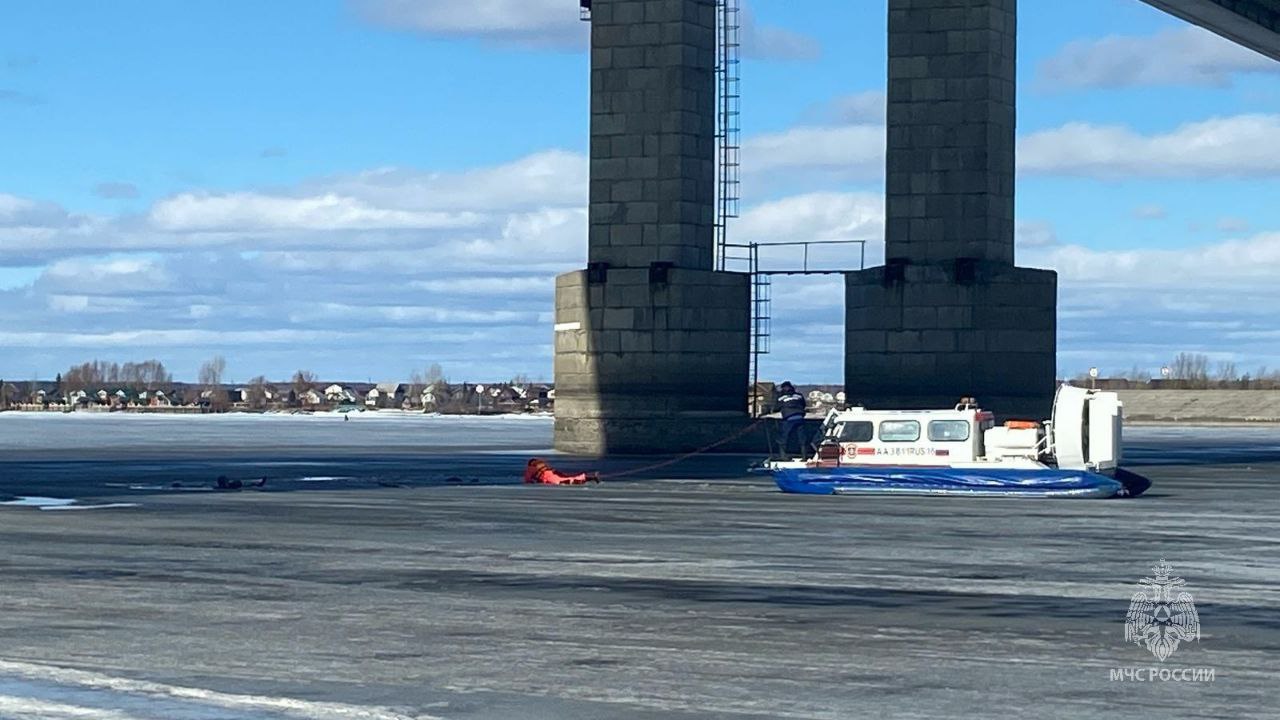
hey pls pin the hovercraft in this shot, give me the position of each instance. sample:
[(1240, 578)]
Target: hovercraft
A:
[(961, 451)]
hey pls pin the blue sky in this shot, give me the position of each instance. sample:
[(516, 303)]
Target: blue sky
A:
[(364, 187)]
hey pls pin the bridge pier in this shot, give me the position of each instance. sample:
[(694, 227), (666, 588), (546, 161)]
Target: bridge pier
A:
[(651, 344), (949, 314)]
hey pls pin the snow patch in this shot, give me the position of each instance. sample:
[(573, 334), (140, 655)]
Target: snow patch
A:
[(118, 698), (40, 502), (50, 503), (103, 506)]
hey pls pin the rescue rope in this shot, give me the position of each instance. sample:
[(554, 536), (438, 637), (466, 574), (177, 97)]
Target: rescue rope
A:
[(681, 458)]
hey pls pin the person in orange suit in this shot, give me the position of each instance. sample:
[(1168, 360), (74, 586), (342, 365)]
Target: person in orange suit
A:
[(538, 472)]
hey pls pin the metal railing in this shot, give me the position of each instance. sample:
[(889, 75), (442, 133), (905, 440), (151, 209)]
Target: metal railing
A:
[(762, 284)]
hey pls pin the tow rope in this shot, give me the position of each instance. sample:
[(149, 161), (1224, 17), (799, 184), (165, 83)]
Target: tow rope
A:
[(681, 458)]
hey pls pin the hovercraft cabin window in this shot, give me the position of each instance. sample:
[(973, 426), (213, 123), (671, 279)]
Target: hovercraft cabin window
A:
[(948, 431), (854, 431), (899, 431)]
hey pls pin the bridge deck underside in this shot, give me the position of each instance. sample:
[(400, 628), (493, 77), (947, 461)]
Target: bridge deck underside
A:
[(1254, 24)]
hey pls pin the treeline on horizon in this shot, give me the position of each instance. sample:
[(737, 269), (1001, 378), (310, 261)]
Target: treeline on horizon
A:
[(153, 375), (1194, 369)]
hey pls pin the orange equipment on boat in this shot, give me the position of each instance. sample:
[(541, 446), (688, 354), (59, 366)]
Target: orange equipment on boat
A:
[(1022, 425), (538, 472)]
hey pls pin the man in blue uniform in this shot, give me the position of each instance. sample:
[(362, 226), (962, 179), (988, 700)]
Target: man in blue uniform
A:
[(791, 406)]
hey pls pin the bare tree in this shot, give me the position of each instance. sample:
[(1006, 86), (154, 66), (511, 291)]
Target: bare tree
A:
[(303, 380), (1192, 367), (416, 386), (1137, 373), (211, 372), (210, 378), (435, 374), (145, 375), (1227, 371), (257, 393)]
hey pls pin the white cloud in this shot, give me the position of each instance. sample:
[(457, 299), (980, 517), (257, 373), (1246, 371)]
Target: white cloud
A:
[(551, 23), (420, 315), (1150, 212), (488, 286), (814, 216), (404, 260), (1250, 264), (1238, 146), (1034, 233), (535, 203), (93, 304), (116, 190), (864, 108), (553, 177), (1221, 147), (18, 213), (770, 42), (115, 275), (1183, 56), (840, 152), (1142, 306), (150, 338), (1233, 225), (241, 212)]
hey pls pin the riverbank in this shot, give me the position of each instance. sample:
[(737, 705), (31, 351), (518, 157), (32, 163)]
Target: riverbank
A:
[(1201, 406)]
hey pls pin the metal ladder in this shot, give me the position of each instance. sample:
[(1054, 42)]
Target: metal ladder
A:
[(761, 316), (728, 122)]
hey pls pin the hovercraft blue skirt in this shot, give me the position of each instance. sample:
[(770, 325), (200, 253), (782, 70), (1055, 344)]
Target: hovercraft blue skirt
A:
[(1044, 483)]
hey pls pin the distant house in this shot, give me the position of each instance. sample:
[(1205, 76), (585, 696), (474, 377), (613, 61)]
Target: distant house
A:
[(439, 396), (336, 394), (540, 399), (385, 395), (818, 398), (8, 394), (311, 398), (760, 399), (508, 398)]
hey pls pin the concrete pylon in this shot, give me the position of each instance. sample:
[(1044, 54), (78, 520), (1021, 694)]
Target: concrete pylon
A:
[(949, 314), (651, 344)]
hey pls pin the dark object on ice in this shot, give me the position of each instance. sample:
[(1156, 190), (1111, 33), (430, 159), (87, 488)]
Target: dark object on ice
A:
[(224, 483), (1134, 484)]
